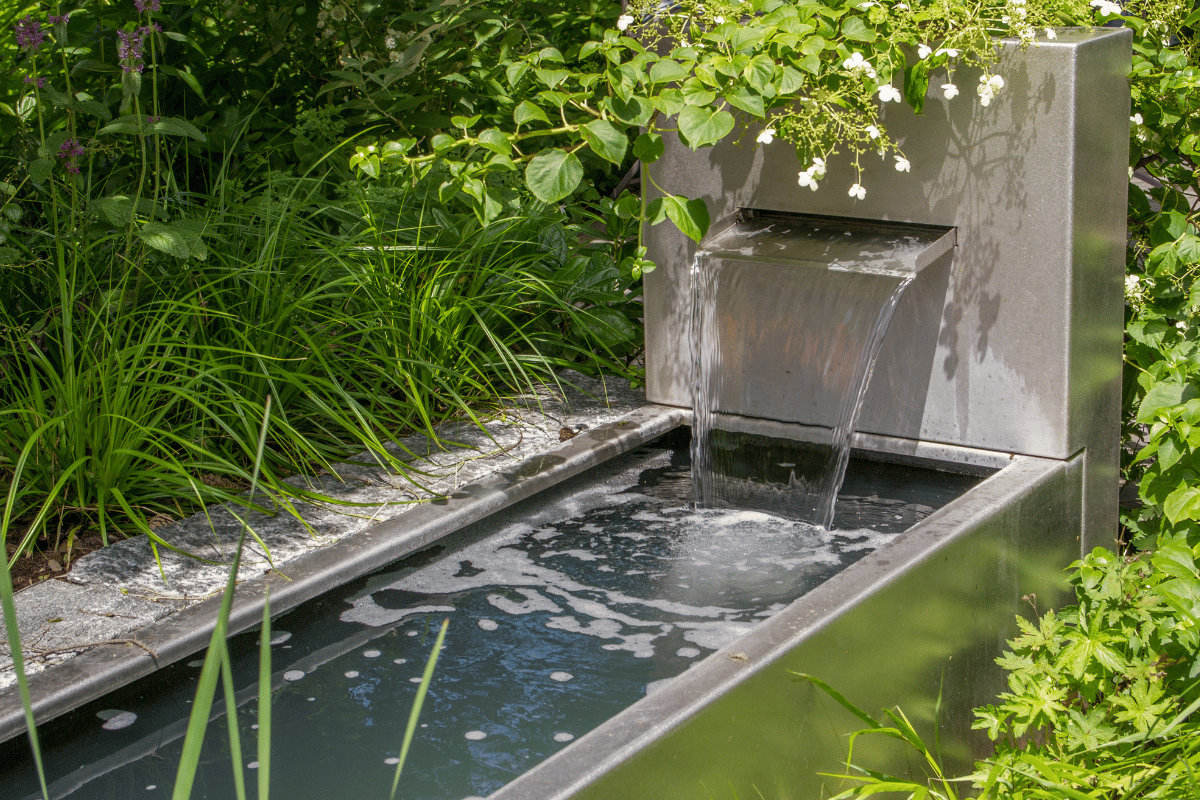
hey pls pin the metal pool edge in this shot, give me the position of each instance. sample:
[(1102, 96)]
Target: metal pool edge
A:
[(99, 671), (916, 623)]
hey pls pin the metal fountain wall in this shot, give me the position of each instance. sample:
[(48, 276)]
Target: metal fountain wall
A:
[(1005, 353), (1014, 343)]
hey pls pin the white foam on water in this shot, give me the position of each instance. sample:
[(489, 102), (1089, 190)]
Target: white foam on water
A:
[(563, 736), (488, 624), (475, 736), (582, 555), (713, 635), (604, 568), (293, 675), (118, 721), (371, 654), (252, 765), (399, 660), (639, 644), (151, 787), (654, 686), (601, 628), (687, 652), (534, 601), (392, 760), (560, 676), (366, 611), (352, 673), (414, 680), (279, 637)]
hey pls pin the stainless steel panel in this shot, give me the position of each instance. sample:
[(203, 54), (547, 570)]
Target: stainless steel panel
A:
[(918, 623), (1014, 344)]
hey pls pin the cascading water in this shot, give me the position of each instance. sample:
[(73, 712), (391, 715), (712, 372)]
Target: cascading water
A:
[(788, 316)]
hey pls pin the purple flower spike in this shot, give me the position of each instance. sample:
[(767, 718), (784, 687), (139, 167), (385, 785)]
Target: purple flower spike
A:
[(64, 19), (41, 82), (129, 50), (29, 33), (142, 5), (70, 151)]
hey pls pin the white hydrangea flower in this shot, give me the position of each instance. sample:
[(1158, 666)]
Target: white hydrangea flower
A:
[(719, 20), (949, 51), (868, 4), (901, 6), (858, 191), (818, 168), (767, 136), (949, 90), (872, 131), (903, 164), (1136, 119), (1106, 8), (623, 22), (989, 87), (924, 51), (856, 63), (889, 94), (807, 179), (1051, 33)]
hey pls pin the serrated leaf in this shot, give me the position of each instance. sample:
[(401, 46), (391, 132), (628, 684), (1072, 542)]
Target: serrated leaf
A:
[(703, 126), (515, 72), (495, 141), (606, 140), (855, 29), (180, 238), (553, 175), (174, 126), (610, 326), (1164, 395), (40, 169), (527, 111)]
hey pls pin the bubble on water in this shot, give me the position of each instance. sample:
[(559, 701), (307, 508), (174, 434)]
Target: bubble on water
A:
[(561, 677), (563, 736), (399, 660), (352, 673), (475, 736), (412, 633), (414, 680), (371, 654), (151, 787), (199, 662), (311, 699), (488, 624), (687, 652), (254, 727), (116, 720), (279, 637), (252, 765), (392, 760), (293, 675)]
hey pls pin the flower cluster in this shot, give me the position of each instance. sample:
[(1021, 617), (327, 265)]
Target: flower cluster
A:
[(1106, 8), (64, 19), (856, 63), (989, 87), (1017, 16), (41, 82), (142, 5), (70, 151), (810, 176), (30, 34), (131, 46)]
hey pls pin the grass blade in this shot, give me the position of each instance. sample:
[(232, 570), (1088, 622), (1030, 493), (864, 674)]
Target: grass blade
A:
[(193, 742), (411, 729), (264, 702)]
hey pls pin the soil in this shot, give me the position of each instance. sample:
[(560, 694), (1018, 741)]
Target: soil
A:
[(46, 562)]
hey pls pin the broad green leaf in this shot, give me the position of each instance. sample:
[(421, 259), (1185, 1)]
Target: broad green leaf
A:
[(176, 127), (695, 93), (180, 238), (606, 140), (916, 85), (703, 126), (515, 72), (1183, 503), (690, 216), (527, 111), (95, 108), (634, 111), (760, 72), (1164, 395), (648, 147), (810, 64), (610, 326), (40, 169), (495, 141), (813, 45), (669, 102), (855, 29), (745, 37), (747, 100), (668, 71), (551, 77), (553, 175), (793, 80)]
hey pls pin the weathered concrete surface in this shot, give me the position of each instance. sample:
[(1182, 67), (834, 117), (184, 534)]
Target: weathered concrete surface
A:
[(114, 591)]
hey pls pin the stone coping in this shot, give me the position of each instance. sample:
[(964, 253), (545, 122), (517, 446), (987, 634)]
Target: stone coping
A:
[(111, 593)]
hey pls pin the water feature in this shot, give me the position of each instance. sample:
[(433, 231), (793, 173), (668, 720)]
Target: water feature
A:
[(563, 613), (789, 312)]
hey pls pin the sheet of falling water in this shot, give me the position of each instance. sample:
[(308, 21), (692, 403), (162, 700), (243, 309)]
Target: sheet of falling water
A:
[(560, 617)]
